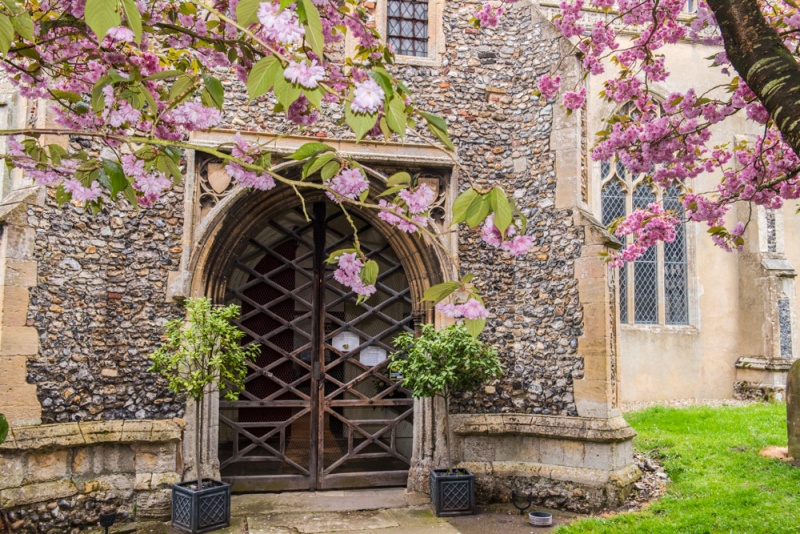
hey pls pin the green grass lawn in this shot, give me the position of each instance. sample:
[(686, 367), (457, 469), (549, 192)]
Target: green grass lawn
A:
[(719, 483)]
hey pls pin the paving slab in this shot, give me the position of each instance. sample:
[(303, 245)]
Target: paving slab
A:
[(325, 501), (318, 522)]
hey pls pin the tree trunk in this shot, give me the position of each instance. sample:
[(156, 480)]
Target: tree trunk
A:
[(197, 438), (760, 57)]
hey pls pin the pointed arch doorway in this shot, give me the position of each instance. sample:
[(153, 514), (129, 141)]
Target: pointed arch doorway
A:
[(320, 409)]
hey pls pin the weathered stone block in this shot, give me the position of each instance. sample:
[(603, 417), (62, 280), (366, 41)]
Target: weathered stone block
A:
[(51, 436), (11, 471), (103, 459), (156, 504), (164, 480), (19, 340), (155, 458), (14, 301), (20, 273), (45, 491), (101, 431), (46, 466)]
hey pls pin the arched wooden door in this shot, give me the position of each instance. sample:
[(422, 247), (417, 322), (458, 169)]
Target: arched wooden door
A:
[(320, 409)]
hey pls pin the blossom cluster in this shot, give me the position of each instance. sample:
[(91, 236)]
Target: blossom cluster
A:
[(472, 309), (516, 245), (348, 274), (409, 213)]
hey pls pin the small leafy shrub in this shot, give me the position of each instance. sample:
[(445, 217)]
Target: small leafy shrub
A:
[(3, 428), (439, 363), (203, 354)]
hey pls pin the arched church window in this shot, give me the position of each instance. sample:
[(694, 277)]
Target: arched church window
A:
[(407, 27), (654, 288)]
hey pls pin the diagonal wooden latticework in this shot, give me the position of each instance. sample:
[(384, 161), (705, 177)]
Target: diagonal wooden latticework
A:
[(320, 408)]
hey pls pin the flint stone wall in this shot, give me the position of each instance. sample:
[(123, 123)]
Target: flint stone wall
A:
[(59, 478), (99, 307), (502, 133)]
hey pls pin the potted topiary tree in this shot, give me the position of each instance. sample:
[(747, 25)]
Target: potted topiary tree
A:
[(440, 363), (200, 355)]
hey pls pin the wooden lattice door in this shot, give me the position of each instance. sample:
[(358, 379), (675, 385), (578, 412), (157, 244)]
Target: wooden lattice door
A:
[(320, 409)]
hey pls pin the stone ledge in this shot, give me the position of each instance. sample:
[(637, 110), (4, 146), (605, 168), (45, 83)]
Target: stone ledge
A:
[(547, 426), (33, 493), (67, 435), (597, 478), (764, 364)]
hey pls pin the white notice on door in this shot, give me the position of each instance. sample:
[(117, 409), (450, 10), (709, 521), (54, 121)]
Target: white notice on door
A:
[(345, 342), (372, 356)]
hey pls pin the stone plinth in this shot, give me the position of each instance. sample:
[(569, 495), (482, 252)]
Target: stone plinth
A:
[(762, 378), (575, 463), (57, 477)]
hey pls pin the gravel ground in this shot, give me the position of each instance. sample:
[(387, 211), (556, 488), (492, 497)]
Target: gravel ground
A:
[(684, 403)]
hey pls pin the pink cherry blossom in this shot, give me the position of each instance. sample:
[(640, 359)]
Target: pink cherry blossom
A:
[(472, 309), (307, 75), (418, 199), (367, 96), (280, 26), (349, 183)]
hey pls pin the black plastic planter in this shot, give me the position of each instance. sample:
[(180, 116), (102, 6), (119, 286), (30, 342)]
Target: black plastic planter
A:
[(203, 510), (452, 492)]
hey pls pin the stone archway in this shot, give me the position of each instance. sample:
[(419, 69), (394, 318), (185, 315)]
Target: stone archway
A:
[(223, 238)]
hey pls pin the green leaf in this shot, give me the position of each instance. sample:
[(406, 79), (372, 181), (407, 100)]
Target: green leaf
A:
[(385, 130), (116, 177), (462, 203), (334, 257), (399, 178), (163, 75), (247, 12), (319, 163), (384, 80), (475, 326), (310, 149), (23, 23), (501, 209), (330, 170), (314, 96), (134, 19), (180, 89), (69, 96), (392, 190), (440, 291), (3, 428), (6, 34), (442, 136), (102, 15), (478, 210), (130, 196), (62, 196), (396, 116), (435, 120), (369, 273), (313, 26), (263, 75), (215, 90), (57, 153), (360, 123), (285, 91)]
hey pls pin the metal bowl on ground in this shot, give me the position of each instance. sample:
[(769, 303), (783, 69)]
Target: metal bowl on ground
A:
[(540, 519)]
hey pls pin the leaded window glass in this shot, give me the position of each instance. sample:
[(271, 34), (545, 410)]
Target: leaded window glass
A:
[(407, 27), (675, 286), (660, 275), (645, 268)]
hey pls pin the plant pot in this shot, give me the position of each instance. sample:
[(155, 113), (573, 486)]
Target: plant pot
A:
[(452, 492), (202, 510)]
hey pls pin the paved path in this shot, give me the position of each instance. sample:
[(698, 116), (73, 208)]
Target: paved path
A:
[(375, 511)]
